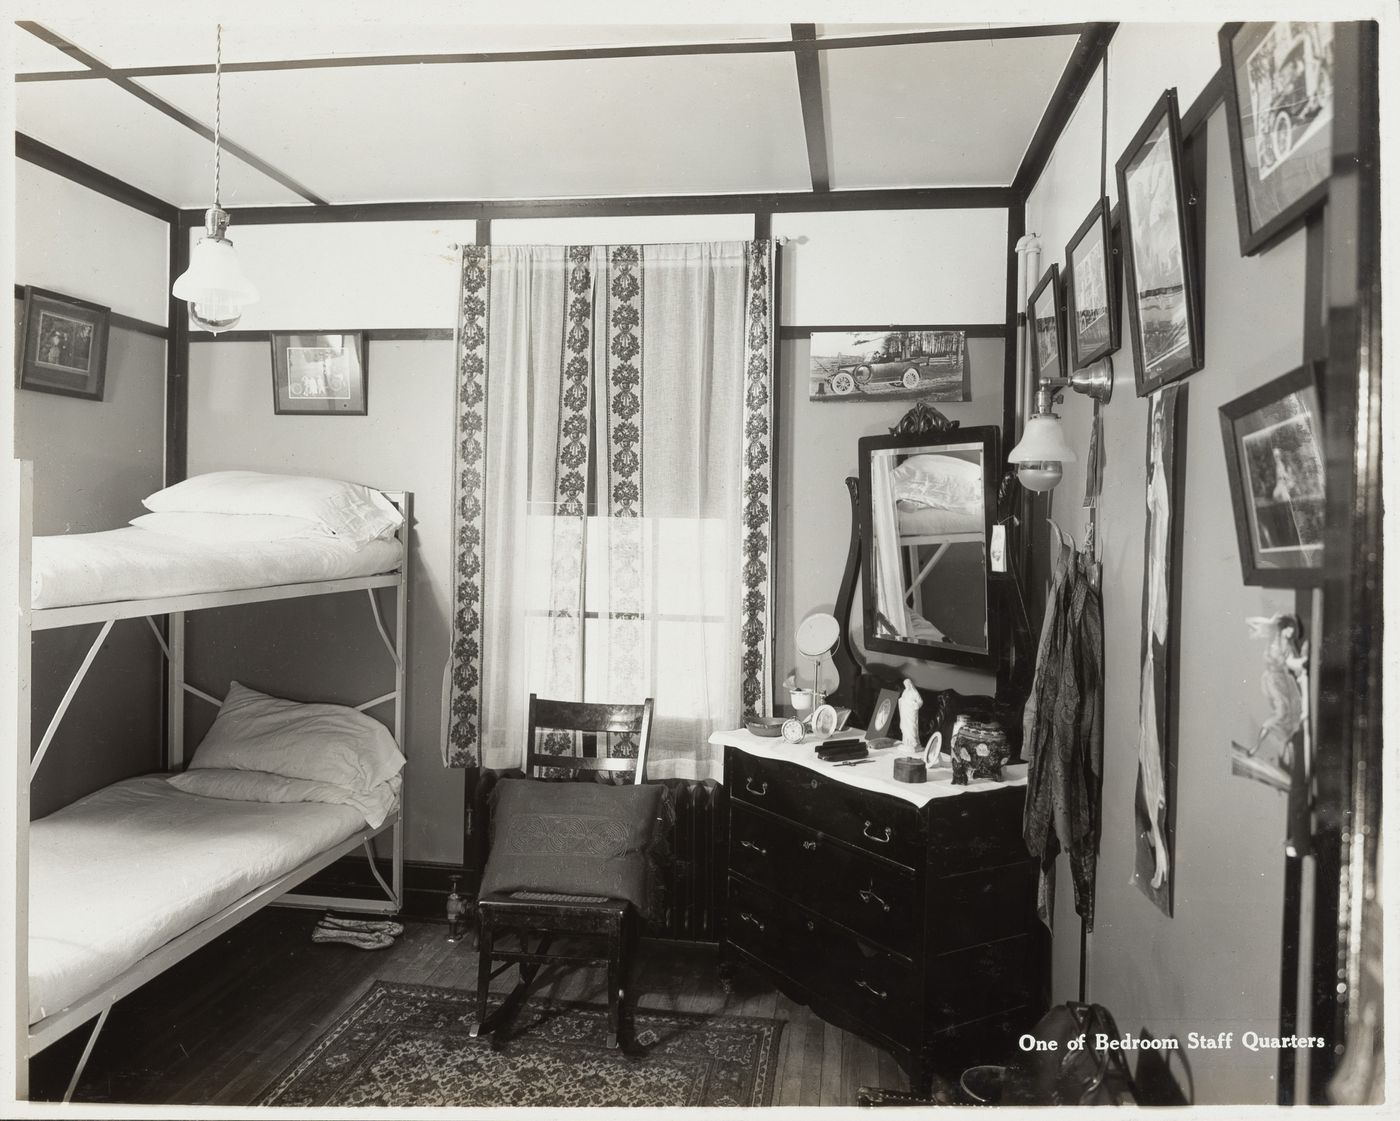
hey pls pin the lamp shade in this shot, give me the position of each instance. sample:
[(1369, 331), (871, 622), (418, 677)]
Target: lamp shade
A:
[(1043, 441), (215, 285)]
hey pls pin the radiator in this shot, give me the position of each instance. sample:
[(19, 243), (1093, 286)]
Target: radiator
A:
[(693, 871)]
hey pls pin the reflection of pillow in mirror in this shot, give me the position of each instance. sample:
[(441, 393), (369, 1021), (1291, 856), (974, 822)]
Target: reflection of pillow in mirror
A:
[(941, 481)]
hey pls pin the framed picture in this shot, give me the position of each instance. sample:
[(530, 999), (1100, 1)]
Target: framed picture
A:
[(882, 715), (1274, 458), (1159, 252), (1091, 290), (890, 364), (319, 374), (65, 345), (1047, 333), (1278, 105)]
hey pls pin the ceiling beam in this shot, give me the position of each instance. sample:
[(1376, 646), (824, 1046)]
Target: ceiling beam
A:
[(809, 89), (1083, 61), (178, 115), (565, 54), (783, 202), (61, 163)]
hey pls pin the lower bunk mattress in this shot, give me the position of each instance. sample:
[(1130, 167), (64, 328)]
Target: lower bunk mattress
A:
[(131, 563), (117, 874)]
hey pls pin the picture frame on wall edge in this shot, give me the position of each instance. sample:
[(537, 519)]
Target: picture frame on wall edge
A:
[(1047, 322), (1278, 111), (1276, 464), (1093, 319), (1159, 255), (319, 373), (63, 345)]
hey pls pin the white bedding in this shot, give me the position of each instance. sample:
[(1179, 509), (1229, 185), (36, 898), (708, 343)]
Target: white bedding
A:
[(925, 521), (131, 563), (119, 873)]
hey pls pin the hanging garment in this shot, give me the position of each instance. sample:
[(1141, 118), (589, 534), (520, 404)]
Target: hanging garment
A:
[(1064, 734)]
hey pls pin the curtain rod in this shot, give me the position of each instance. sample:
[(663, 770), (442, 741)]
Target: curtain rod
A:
[(454, 246)]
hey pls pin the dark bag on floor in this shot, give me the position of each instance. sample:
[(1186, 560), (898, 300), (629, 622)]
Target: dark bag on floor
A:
[(1087, 1076)]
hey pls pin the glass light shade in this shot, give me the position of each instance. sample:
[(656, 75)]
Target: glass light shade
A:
[(1040, 453), (215, 286), (1043, 441)]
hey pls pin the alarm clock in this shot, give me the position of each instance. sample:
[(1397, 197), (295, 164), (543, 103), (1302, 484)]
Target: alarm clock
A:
[(793, 730)]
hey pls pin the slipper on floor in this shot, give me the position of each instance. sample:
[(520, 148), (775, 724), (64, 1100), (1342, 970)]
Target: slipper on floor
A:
[(370, 926), (360, 939)]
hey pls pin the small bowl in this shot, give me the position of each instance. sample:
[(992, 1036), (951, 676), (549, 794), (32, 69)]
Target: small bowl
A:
[(804, 700), (769, 726)]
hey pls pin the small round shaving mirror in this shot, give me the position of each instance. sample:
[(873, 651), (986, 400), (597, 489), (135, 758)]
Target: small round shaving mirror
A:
[(817, 636)]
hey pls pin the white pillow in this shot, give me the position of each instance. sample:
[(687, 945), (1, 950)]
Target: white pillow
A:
[(259, 786), (317, 742), (944, 482), (217, 529), (345, 510)]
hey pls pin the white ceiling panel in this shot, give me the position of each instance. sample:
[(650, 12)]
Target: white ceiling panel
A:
[(938, 114), (103, 125), (34, 56), (167, 43), (636, 126)]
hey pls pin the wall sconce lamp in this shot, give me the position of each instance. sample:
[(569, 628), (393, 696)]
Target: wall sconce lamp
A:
[(1043, 450), (215, 286)]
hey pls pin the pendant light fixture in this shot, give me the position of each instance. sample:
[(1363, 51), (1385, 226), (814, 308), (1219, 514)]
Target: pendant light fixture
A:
[(215, 286)]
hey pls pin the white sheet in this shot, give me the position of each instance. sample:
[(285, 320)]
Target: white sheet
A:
[(119, 873), (130, 563)]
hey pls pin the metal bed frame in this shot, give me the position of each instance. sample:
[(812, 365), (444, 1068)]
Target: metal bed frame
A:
[(99, 1003)]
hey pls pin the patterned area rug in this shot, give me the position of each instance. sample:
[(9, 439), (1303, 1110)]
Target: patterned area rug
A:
[(408, 1045)]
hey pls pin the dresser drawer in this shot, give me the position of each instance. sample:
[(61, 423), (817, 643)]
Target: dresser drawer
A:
[(977, 830), (873, 897), (977, 907), (976, 982), (880, 824)]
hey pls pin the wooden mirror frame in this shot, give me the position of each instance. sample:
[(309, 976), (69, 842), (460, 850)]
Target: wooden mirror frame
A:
[(989, 437)]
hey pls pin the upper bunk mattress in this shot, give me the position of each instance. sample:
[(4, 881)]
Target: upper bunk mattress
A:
[(117, 874), (132, 563)]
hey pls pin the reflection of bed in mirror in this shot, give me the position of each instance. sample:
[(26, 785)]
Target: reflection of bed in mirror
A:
[(927, 511)]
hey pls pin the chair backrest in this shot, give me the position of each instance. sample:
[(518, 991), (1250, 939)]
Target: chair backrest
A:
[(600, 719)]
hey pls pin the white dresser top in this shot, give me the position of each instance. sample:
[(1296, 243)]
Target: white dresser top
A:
[(876, 775)]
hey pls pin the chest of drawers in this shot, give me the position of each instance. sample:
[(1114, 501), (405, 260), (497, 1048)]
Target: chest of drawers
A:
[(911, 925)]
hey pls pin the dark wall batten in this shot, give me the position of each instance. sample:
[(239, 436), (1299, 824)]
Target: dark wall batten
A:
[(85, 175), (905, 198), (125, 322), (809, 89), (972, 330), (566, 54), (1088, 53), (372, 334)]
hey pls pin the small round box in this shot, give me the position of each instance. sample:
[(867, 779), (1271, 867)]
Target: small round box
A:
[(908, 768)]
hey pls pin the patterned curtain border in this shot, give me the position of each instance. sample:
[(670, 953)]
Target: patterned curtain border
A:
[(756, 573), (462, 731)]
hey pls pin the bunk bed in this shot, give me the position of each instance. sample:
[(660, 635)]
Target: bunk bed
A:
[(180, 868)]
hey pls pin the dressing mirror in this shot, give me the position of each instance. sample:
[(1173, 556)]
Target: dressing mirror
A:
[(927, 507)]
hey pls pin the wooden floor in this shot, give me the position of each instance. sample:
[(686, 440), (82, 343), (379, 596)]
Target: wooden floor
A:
[(220, 1026)]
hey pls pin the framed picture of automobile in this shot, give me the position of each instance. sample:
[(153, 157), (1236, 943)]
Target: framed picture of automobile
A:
[(319, 374), (1047, 327), (64, 345), (890, 364), (1278, 107), (1091, 290), (1276, 467), (1159, 253)]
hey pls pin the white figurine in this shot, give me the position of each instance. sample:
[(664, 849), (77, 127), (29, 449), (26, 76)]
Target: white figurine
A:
[(909, 704)]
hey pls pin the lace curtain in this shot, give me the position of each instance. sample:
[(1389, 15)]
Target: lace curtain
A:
[(613, 493)]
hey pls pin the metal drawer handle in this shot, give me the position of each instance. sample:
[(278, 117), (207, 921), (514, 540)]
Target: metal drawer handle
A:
[(868, 896), (811, 846), (749, 918), (814, 784), (763, 789), (756, 848), (872, 990), (883, 840)]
